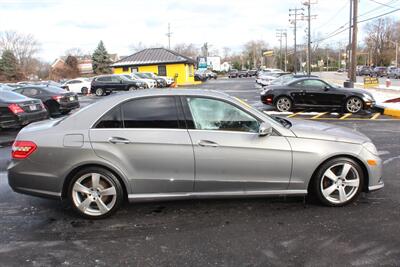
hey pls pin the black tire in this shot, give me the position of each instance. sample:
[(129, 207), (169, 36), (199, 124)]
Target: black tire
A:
[(99, 92), (53, 108), (353, 105), (65, 112), (317, 183), (132, 88), (84, 91), (106, 177), (280, 106)]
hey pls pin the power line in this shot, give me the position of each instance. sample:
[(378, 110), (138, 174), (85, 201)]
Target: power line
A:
[(345, 29), (383, 4), (334, 16)]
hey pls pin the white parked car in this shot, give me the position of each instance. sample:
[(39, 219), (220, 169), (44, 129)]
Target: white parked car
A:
[(78, 85), (150, 82), (167, 79), (265, 79)]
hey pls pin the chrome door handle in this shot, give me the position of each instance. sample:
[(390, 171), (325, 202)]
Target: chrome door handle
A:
[(118, 140), (207, 143)]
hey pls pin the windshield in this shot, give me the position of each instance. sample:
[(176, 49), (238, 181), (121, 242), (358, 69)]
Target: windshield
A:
[(126, 77), (54, 89), (141, 75), (5, 87)]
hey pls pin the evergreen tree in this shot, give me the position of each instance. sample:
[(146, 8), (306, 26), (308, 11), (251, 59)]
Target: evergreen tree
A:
[(9, 68), (101, 60)]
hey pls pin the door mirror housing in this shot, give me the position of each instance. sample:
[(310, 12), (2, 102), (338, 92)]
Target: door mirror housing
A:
[(265, 129), (327, 88)]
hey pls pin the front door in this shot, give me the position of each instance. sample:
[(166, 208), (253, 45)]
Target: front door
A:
[(319, 93), (230, 156), (146, 141)]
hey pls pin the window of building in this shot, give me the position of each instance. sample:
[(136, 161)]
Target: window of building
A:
[(162, 70), (125, 69)]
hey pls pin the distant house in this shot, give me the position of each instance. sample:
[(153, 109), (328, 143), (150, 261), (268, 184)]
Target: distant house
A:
[(161, 61), (226, 66), (84, 63)]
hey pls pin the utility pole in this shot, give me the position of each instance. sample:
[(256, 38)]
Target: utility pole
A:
[(327, 59), (339, 63), (285, 35), (169, 33), (294, 12), (308, 17), (279, 34), (349, 45), (354, 42)]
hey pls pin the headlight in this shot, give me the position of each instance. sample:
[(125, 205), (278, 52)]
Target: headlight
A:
[(371, 148)]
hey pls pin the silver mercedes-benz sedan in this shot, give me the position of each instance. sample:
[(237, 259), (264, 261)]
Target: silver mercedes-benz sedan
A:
[(175, 144)]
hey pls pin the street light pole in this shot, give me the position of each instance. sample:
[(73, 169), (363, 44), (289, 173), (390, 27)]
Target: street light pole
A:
[(309, 40), (285, 34)]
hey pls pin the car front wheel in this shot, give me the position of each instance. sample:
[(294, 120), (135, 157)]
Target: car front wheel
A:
[(95, 193), (283, 104), (354, 105), (338, 182)]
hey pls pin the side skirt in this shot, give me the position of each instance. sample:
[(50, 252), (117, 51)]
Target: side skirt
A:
[(192, 195)]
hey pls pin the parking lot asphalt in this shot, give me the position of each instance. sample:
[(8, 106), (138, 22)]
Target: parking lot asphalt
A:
[(225, 232)]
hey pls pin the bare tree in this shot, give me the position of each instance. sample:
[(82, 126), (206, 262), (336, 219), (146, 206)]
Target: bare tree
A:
[(226, 53), (24, 47), (189, 50), (380, 39), (252, 53), (76, 52)]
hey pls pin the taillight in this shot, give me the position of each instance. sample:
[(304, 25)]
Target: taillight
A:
[(15, 108), (22, 149), (57, 98)]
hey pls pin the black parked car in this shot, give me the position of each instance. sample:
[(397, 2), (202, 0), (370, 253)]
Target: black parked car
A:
[(364, 71), (394, 73), (18, 110), (252, 73), (314, 93), (243, 73), (106, 84), (56, 100), (233, 73), (379, 72)]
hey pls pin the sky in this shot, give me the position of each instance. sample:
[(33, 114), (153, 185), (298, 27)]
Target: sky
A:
[(60, 25)]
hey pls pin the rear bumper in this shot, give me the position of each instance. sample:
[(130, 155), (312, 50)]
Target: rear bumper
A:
[(24, 119), (69, 106)]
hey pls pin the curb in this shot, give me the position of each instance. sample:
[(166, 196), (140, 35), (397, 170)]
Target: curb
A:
[(388, 111), (392, 112)]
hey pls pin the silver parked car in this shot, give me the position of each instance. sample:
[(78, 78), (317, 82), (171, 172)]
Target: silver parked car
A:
[(174, 144)]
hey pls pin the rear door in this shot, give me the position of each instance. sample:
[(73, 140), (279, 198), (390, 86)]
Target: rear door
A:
[(147, 141)]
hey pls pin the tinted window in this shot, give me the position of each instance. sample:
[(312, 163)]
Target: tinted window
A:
[(104, 79), (155, 112), (53, 89), (115, 79), (112, 119), (212, 114), (31, 92)]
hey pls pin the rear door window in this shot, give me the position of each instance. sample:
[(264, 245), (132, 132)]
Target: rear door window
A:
[(152, 112)]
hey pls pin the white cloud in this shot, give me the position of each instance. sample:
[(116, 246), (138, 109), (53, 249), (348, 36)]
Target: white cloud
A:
[(60, 25)]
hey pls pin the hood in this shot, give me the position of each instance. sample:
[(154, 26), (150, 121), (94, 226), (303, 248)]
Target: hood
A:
[(324, 131)]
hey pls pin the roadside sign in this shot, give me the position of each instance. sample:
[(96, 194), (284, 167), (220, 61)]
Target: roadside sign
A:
[(370, 82)]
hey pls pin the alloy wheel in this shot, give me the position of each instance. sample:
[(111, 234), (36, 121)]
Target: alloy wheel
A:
[(94, 194), (354, 105), (99, 92), (283, 104), (340, 183)]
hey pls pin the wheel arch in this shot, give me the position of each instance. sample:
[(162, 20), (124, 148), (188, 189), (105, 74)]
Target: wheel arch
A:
[(74, 171), (362, 165), (279, 95), (347, 97)]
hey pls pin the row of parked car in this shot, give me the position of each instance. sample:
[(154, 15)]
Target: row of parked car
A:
[(21, 104), (390, 72), (29, 101), (234, 73)]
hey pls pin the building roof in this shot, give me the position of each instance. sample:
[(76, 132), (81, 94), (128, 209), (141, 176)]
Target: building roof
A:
[(152, 56)]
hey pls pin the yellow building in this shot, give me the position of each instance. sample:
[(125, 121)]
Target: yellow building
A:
[(161, 61)]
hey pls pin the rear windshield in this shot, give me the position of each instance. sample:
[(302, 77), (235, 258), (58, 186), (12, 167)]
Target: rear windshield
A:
[(11, 96)]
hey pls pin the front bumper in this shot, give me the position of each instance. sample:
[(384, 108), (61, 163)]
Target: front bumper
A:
[(375, 180)]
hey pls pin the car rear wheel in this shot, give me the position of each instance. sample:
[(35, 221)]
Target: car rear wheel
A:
[(338, 182), (132, 88), (283, 104), (354, 105), (84, 91), (99, 92), (95, 193)]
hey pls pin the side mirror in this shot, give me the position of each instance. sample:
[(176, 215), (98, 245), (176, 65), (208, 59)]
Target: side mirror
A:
[(265, 129), (326, 88)]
